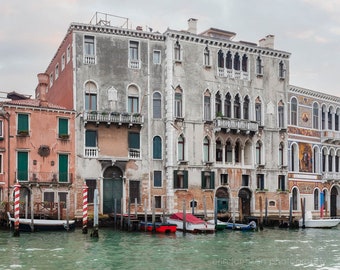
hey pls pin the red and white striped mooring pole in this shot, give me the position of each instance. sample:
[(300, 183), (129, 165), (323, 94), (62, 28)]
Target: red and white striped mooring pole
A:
[(16, 209), (85, 188)]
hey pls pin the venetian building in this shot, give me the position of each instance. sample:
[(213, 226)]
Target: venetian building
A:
[(314, 151), (175, 118)]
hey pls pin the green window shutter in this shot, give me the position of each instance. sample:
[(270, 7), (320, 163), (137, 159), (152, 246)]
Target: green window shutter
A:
[(91, 138), (63, 126), (63, 168), (134, 142), (185, 180), (22, 165), (212, 180), (203, 184), (22, 122)]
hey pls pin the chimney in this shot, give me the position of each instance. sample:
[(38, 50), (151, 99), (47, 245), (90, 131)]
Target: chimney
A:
[(192, 26), (267, 42), (43, 82)]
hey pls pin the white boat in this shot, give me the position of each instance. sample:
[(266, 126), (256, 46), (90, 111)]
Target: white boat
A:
[(318, 223), (251, 226), (192, 224), (42, 224)]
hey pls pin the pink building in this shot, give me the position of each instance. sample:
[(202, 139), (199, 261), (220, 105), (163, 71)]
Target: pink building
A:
[(37, 151)]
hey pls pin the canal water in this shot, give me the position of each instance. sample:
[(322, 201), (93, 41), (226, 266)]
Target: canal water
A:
[(267, 249)]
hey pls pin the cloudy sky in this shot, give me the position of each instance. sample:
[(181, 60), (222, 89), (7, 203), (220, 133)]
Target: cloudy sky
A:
[(31, 31)]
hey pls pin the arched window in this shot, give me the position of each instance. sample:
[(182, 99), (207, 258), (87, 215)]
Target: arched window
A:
[(218, 104), (180, 148), (293, 111), (337, 160), (316, 160), (259, 66), (206, 149), (90, 96), (178, 102), (295, 199), (177, 50), (207, 107), (237, 152), (323, 117), (246, 108), (218, 150), (316, 199), (316, 116), (330, 118), (281, 154), (206, 57), (258, 153), (258, 110), (244, 63), (336, 120), (133, 99), (330, 160), (228, 152), (157, 105), (229, 61), (324, 159), (220, 59), (237, 65), (248, 153), (237, 107), (281, 115), (157, 147), (282, 70), (227, 105), (294, 162)]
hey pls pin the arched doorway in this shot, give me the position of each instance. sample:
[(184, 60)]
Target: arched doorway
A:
[(112, 189), (222, 200), (334, 201), (244, 198)]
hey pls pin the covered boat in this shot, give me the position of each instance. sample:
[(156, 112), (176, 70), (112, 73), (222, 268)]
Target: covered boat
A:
[(318, 223), (159, 227), (251, 226), (192, 223), (43, 224)]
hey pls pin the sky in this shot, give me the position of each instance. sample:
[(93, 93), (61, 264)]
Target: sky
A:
[(31, 32)]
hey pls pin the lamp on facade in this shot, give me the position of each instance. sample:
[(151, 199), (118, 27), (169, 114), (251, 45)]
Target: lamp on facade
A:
[(5, 115)]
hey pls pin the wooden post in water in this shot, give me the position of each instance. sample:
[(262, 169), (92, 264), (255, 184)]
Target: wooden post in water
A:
[(303, 211), (115, 213), (26, 206), (67, 212), (153, 214), (145, 215), (193, 206), (136, 208), (291, 212), (215, 212), (129, 221), (261, 213), (280, 206), (266, 212), (121, 213), (58, 207), (32, 211), (184, 217), (205, 207), (95, 218)]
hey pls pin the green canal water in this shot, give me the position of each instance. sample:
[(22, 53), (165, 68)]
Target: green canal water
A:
[(267, 249)]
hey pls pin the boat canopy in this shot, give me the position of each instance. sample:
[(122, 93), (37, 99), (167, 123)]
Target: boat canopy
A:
[(188, 217)]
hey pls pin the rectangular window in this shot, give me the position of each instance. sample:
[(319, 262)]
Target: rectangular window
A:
[(245, 180), (63, 198), (156, 57), (49, 197), (22, 124), (91, 138), (224, 179), (22, 166), (208, 180), (157, 178), (178, 105), (91, 184), (56, 71), (158, 201), (260, 181), (281, 116), (63, 168), (1, 163), (62, 127), (207, 109), (90, 102), (281, 183), (51, 79), (133, 104), (177, 52), (133, 50), (68, 54), (134, 191), (63, 62), (181, 179), (89, 45)]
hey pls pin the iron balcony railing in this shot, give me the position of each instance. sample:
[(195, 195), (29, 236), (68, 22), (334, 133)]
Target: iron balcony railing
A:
[(43, 177), (113, 117)]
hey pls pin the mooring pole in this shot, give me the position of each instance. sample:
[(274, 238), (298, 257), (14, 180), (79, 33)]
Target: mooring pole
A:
[(145, 215), (16, 209), (215, 212), (153, 214), (95, 218), (32, 211), (184, 217), (115, 213), (85, 188)]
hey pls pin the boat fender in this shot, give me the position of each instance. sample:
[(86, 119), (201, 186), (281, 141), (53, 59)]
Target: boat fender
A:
[(252, 224)]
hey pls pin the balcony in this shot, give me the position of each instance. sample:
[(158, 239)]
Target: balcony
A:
[(331, 176), (232, 73), (330, 136), (134, 153), (43, 178), (89, 59), (134, 64), (113, 117), (238, 125), (91, 152)]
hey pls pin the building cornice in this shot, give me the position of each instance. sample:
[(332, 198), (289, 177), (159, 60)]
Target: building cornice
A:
[(313, 94)]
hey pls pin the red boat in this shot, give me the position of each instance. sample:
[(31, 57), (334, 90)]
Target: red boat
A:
[(158, 227)]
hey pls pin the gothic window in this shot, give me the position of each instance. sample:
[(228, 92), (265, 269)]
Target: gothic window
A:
[(244, 63), (316, 116), (218, 104), (280, 112), (227, 105), (258, 110), (206, 149), (178, 102), (180, 148), (207, 106), (133, 99), (237, 61), (293, 111), (220, 59), (246, 108), (228, 152), (206, 57), (229, 61), (177, 50), (218, 150), (259, 66), (237, 107)]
